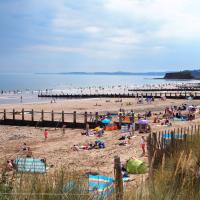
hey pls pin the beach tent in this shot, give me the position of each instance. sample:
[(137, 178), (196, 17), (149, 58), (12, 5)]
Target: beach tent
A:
[(33, 165), (136, 167), (102, 186), (106, 121), (142, 121)]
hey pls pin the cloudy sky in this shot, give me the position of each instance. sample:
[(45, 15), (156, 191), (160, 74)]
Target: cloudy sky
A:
[(99, 35)]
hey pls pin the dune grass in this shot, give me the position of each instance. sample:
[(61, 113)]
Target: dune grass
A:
[(177, 178)]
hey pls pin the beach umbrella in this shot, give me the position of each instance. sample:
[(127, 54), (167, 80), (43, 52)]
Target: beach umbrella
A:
[(106, 121), (142, 121)]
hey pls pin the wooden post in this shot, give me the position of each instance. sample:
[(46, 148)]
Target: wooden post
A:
[(13, 114), (74, 117), (32, 115), (52, 116), (85, 118), (150, 154), (22, 114), (42, 115), (4, 114), (96, 117), (191, 131), (63, 117), (118, 178), (185, 136)]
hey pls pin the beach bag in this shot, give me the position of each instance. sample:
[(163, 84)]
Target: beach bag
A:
[(136, 167)]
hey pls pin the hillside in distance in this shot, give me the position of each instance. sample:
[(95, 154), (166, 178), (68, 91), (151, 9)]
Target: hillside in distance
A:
[(186, 74)]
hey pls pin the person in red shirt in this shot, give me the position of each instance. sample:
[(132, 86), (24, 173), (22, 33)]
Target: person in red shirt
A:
[(142, 144), (46, 133)]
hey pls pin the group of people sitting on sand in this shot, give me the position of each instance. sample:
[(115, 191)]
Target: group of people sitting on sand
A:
[(26, 151), (98, 144), (98, 131)]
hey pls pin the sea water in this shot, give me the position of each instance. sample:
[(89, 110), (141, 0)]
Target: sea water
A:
[(31, 84), (61, 81)]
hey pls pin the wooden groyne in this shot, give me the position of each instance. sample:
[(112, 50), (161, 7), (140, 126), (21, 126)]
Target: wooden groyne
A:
[(49, 119), (168, 95), (182, 89)]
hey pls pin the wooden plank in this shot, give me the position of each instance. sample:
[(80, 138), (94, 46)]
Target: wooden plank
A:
[(118, 178)]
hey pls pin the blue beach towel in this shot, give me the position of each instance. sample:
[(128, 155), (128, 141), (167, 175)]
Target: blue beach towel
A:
[(33, 165)]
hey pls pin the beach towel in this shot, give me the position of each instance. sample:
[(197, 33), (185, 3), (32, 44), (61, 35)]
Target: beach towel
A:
[(32, 165)]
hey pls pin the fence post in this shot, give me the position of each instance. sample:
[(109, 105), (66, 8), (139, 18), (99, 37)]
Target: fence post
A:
[(63, 117), (96, 117), (85, 118), (118, 178), (191, 131), (172, 140), (185, 137), (74, 117), (22, 114), (4, 114), (52, 116), (150, 154), (42, 115), (13, 114), (32, 115)]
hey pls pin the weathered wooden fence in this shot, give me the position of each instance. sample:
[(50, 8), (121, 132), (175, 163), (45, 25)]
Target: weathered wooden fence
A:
[(48, 119), (168, 142)]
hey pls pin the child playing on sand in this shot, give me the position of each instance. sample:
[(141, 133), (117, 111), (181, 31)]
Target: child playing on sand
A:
[(46, 134), (142, 143)]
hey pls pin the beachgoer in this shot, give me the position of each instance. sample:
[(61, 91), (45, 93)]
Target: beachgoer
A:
[(63, 129), (24, 147), (46, 133), (129, 139), (29, 153), (9, 166), (75, 148), (142, 144), (87, 129)]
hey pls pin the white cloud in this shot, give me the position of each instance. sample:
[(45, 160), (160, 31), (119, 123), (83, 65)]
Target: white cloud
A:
[(55, 49), (93, 29), (172, 18)]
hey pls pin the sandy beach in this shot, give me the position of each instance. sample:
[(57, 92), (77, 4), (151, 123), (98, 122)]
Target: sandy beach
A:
[(57, 149)]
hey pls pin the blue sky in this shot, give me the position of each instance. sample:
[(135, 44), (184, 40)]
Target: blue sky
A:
[(99, 35)]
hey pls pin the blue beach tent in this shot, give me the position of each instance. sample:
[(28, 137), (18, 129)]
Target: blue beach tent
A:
[(106, 121)]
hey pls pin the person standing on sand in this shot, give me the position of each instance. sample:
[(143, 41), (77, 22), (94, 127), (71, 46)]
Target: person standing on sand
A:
[(142, 144), (46, 133)]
